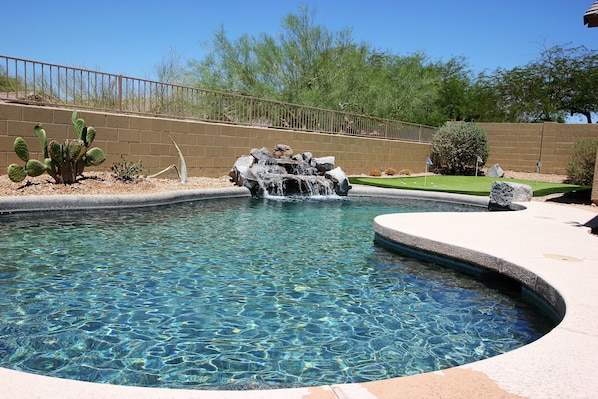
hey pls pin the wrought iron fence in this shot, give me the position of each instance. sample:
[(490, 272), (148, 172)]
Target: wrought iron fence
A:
[(33, 82)]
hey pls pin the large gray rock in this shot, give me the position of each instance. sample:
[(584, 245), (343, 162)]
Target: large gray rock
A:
[(279, 173), (341, 185), (283, 151), (503, 195), (323, 164), (495, 171)]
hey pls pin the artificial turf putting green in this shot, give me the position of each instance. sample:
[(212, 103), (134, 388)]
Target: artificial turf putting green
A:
[(471, 185)]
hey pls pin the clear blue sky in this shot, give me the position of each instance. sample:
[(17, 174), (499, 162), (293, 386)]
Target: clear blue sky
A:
[(131, 37)]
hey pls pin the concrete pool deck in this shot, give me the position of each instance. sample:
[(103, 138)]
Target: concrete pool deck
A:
[(546, 246)]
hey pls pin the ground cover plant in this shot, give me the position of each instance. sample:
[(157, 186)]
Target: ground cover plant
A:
[(471, 185)]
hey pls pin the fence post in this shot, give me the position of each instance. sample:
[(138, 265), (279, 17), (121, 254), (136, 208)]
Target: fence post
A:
[(120, 93), (332, 118), (250, 118)]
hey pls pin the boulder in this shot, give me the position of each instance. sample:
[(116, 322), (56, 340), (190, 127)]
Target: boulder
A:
[(503, 195), (240, 168), (323, 164), (282, 151), (495, 171), (341, 185)]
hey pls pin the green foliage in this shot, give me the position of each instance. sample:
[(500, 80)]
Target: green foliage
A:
[(64, 162), (582, 158), (456, 146), (307, 64), (562, 81), (127, 171)]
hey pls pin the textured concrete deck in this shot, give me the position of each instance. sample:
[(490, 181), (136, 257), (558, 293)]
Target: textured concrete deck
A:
[(546, 246)]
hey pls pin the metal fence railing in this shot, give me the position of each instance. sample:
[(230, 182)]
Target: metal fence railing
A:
[(33, 82)]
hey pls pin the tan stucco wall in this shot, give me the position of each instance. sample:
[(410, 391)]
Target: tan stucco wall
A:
[(209, 149), (518, 146)]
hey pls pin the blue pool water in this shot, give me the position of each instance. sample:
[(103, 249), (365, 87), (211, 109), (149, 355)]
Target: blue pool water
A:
[(240, 294)]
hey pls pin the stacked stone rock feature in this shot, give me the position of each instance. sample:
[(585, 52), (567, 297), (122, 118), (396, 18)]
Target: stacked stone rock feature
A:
[(503, 195), (280, 173)]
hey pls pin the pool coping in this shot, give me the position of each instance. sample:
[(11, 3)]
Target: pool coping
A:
[(546, 246)]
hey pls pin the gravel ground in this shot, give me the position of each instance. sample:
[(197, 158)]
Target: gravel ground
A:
[(105, 183)]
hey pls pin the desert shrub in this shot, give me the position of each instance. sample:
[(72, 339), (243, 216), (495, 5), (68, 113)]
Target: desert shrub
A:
[(126, 171), (375, 172), (456, 146), (405, 172), (582, 159), (390, 172)]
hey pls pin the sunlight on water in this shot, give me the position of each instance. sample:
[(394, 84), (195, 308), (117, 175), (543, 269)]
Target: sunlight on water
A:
[(240, 294)]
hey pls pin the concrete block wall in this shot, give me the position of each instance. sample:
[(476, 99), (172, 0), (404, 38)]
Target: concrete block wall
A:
[(209, 149), (519, 146)]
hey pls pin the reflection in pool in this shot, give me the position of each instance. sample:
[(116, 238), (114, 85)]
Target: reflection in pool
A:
[(240, 294)]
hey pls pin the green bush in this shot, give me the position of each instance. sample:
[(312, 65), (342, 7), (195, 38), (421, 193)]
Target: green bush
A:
[(456, 147), (582, 159)]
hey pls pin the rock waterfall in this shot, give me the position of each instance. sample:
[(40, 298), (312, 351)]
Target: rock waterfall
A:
[(281, 174)]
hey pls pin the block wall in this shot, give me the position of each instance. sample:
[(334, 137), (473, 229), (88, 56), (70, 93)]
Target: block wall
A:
[(519, 146), (209, 149)]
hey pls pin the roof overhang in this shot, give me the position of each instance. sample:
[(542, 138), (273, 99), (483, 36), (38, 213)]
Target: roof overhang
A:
[(590, 18)]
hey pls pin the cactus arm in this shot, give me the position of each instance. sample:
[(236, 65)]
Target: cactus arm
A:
[(35, 168), (95, 156), (21, 149), (16, 173), (75, 150), (55, 151), (90, 136), (79, 123), (43, 139), (51, 169)]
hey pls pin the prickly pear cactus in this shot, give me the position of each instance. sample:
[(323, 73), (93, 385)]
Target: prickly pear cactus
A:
[(64, 162), (16, 173), (21, 149)]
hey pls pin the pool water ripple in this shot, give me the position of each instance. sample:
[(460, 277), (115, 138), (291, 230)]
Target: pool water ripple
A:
[(240, 294)]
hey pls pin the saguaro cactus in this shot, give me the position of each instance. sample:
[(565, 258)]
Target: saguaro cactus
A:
[(64, 162)]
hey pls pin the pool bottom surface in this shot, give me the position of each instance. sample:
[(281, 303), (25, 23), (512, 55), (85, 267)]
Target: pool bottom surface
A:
[(240, 294)]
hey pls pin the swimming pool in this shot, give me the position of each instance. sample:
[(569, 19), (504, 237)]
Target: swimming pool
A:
[(240, 294)]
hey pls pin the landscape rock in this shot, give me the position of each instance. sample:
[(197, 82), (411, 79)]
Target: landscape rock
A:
[(495, 171), (503, 196), (340, 181), (323, 164), (283, 151)]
